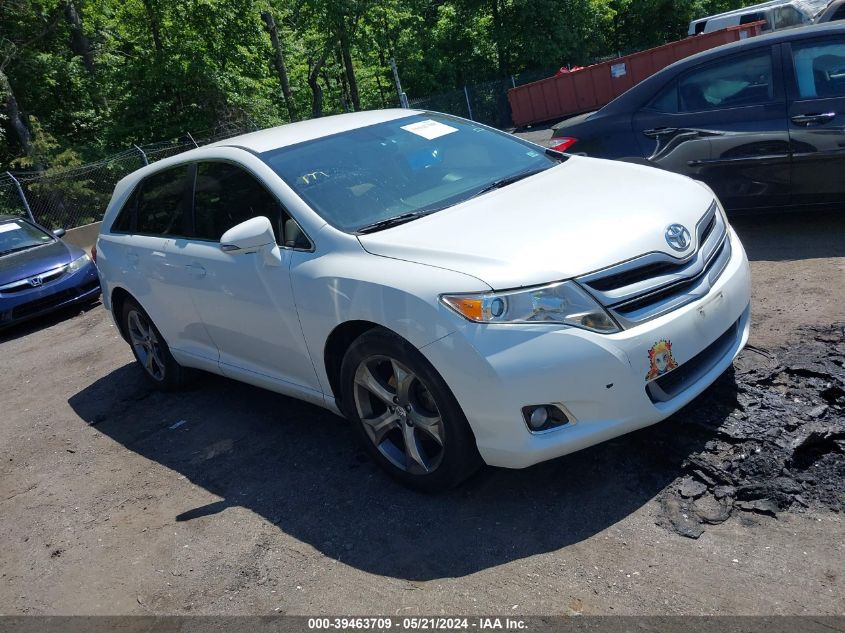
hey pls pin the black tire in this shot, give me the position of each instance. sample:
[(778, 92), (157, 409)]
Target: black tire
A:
[(440, 464), (172, 376)]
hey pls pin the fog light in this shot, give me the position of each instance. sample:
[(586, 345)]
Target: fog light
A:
[(542, 417), (538, 418)]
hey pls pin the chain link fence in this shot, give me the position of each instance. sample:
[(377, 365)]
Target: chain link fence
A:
[(485, 102), (79, 196)]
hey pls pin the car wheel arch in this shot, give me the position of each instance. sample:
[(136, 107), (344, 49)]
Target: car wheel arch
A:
[(119, 296), (337, 344)]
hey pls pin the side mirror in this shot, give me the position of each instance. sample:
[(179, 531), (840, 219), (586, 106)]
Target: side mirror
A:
[(59, 233), (248, 237)]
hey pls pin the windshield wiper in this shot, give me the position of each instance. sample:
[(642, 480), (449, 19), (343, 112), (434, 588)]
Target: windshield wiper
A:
[(504, 182), (389, 222)]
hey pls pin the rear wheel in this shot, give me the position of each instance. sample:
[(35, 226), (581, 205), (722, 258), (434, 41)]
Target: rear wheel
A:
[(405, 414), (150, 349)]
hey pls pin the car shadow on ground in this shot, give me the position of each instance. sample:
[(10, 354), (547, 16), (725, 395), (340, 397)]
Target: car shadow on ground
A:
[(298, 466), (792, 236)]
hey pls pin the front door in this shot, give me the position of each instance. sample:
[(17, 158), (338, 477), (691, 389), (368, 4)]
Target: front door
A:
[(244, 300), (816, 90)]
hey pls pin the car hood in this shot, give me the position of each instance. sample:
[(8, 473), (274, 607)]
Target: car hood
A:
[(34, 261), (578, 217)]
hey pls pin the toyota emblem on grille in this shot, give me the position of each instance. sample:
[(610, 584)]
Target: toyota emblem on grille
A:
[(35, 281), (678, 237)]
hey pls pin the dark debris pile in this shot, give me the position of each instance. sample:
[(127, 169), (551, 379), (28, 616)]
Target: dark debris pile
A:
[(775, 436)]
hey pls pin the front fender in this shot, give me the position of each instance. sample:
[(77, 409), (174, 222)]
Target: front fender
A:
[(337, 287)]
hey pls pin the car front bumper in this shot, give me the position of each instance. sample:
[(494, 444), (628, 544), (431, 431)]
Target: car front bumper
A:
[(78, 287), (599, 380)]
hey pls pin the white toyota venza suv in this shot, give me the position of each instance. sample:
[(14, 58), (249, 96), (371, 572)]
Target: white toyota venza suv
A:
[(461, 295)]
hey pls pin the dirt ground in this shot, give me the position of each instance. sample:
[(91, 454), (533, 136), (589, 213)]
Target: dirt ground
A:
[(228, 499)]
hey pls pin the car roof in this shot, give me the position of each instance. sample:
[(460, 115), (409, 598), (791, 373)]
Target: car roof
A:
[(743, 10), (293, 133), (635, 96), (269, 139)]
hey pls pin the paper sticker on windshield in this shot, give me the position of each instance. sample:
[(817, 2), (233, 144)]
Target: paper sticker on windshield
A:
[(429, 129), (9, 226)]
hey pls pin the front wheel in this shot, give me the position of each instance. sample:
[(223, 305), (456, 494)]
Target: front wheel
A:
[(405, 414)]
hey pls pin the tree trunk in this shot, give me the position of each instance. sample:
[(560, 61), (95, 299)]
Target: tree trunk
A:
[(314, 83), (78, 42), (341, 83), (80, 45), (154, 26), (16, 122), (279, 61), (347, 64), (498, 29)]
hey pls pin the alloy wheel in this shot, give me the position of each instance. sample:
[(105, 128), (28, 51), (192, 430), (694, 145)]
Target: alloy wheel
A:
[(146, 344), (399, 415)]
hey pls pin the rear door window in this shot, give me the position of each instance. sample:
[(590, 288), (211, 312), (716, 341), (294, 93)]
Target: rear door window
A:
[(667, 99), (733, 82), (160, 208)]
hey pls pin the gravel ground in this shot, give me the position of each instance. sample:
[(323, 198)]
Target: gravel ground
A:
[(229, 499)]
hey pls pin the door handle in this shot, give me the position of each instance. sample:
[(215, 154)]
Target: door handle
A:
[(132, 256), (196, 269), (813, 119), (657, 132)]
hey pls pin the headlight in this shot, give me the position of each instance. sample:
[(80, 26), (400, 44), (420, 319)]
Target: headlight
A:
[(563, 302), (78, 264)]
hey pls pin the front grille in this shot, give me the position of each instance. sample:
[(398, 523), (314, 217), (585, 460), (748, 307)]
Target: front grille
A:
[(672, 384), (656, 283), (23, 284), (45, 303)]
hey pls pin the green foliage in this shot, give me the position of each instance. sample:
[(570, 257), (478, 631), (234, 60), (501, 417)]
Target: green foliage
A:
[(153, 69)]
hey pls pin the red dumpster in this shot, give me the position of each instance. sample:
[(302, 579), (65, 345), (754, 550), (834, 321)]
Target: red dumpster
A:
[(590, 88)]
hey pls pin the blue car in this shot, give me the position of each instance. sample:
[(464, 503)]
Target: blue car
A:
[(40, 273)]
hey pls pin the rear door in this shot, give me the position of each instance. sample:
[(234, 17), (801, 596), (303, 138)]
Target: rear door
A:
[(815, 70), (154, 216), (724, 122)]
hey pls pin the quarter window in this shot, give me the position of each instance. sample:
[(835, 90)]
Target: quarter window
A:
[(225, 195), (123, 222), (820, 69), (160, 206), (735, 82)]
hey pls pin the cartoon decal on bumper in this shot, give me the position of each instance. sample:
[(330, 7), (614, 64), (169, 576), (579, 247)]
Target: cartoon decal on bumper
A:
[(660, 359)]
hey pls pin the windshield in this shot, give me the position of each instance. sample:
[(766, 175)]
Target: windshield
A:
[(414, 165), (17, 235)]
